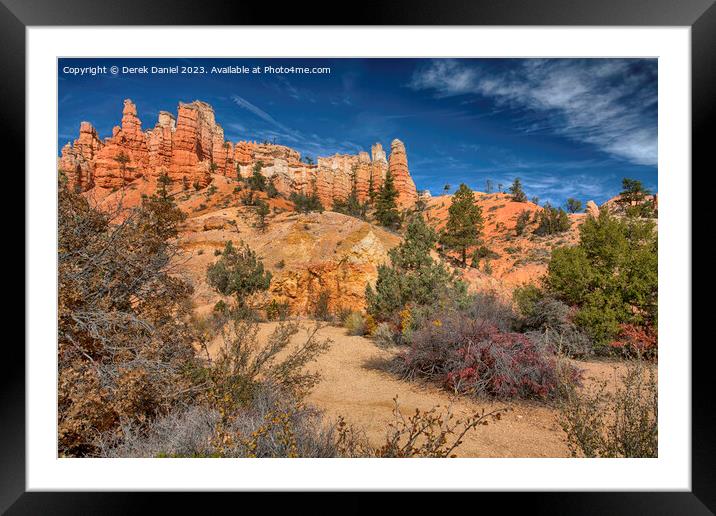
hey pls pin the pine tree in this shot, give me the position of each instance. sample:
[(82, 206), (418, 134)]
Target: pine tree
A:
[(262, 211), (257, 181), (573, 205), (464, 224), (413, 278), (386, 209), (518, 195)]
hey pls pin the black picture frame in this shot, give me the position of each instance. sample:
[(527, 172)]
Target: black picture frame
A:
[(700, 15)]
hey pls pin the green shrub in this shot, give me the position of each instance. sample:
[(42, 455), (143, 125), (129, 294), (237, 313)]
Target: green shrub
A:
[(551, 221), (525, 297), (611, 276), (306, 203), (238, 272), (523, 219), (277, 310)]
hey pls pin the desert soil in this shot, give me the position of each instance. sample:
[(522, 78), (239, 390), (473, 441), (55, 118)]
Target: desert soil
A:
[(354, 386)]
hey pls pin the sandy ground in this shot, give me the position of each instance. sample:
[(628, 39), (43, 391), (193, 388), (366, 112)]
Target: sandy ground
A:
[(354, 386)]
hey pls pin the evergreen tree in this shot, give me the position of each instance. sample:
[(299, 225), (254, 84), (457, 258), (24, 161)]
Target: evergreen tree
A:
[(518, 195), (351, 205), (238, 272), (386, 209), (522, 220), (464, 224), (122, 159), (271, 189), (262, 211), (633, 199), (257, 181), (413, 278), (573, 205)]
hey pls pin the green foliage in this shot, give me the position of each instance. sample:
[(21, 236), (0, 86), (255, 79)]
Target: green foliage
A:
[(464, 224), (351, 205), (306, 203), (257, 181), (611, 276), (271, 189), (518, 195), (262, 211), (633, 199), (413, 278), (277, 310), (523, 219), (238, 272), (574, 205), (551, 221), (525, 297), (386, 209)]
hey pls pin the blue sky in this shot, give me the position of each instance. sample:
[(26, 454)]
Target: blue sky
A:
[(565, 127)]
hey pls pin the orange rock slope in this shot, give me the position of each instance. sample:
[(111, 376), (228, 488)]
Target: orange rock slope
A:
[(191, 147)]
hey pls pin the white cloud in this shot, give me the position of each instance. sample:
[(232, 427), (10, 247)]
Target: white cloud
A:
[(606, 103), (263, 115)]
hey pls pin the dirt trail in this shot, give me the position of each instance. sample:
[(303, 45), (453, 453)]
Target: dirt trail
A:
[(354, 387)]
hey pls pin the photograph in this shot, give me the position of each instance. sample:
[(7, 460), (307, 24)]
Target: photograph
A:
[(357, 257)]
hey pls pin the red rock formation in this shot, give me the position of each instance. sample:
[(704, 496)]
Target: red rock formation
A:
[(192, 147), (398, 166), (76, 159)]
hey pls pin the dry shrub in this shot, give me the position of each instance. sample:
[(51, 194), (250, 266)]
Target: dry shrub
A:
[(552, 322), (383, 336), (273, 424), (431, 433), (355, 324), (636, 341), (244, 362), (123, 344), (619, 424), (471, 355)]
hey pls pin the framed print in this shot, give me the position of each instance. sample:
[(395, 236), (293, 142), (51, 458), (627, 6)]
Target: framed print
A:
[(291, 257)]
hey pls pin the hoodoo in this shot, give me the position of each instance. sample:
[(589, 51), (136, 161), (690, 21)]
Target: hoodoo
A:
[(190, 147)]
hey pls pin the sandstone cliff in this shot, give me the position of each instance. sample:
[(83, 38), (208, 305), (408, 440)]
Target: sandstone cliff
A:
[(191, 147)]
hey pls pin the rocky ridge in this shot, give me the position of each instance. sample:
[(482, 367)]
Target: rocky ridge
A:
[(191, 148)]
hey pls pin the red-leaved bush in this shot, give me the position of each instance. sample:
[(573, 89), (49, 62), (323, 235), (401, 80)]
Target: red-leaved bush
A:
[(636, 340), (471, 356)]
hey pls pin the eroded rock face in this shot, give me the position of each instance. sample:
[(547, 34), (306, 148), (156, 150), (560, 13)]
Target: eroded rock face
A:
[(76, 160), (398, 166), (192, 147), (592, 209)]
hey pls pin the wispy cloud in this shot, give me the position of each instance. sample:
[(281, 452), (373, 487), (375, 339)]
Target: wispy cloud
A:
[(280, 133), (609, 103), (263, 115)]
